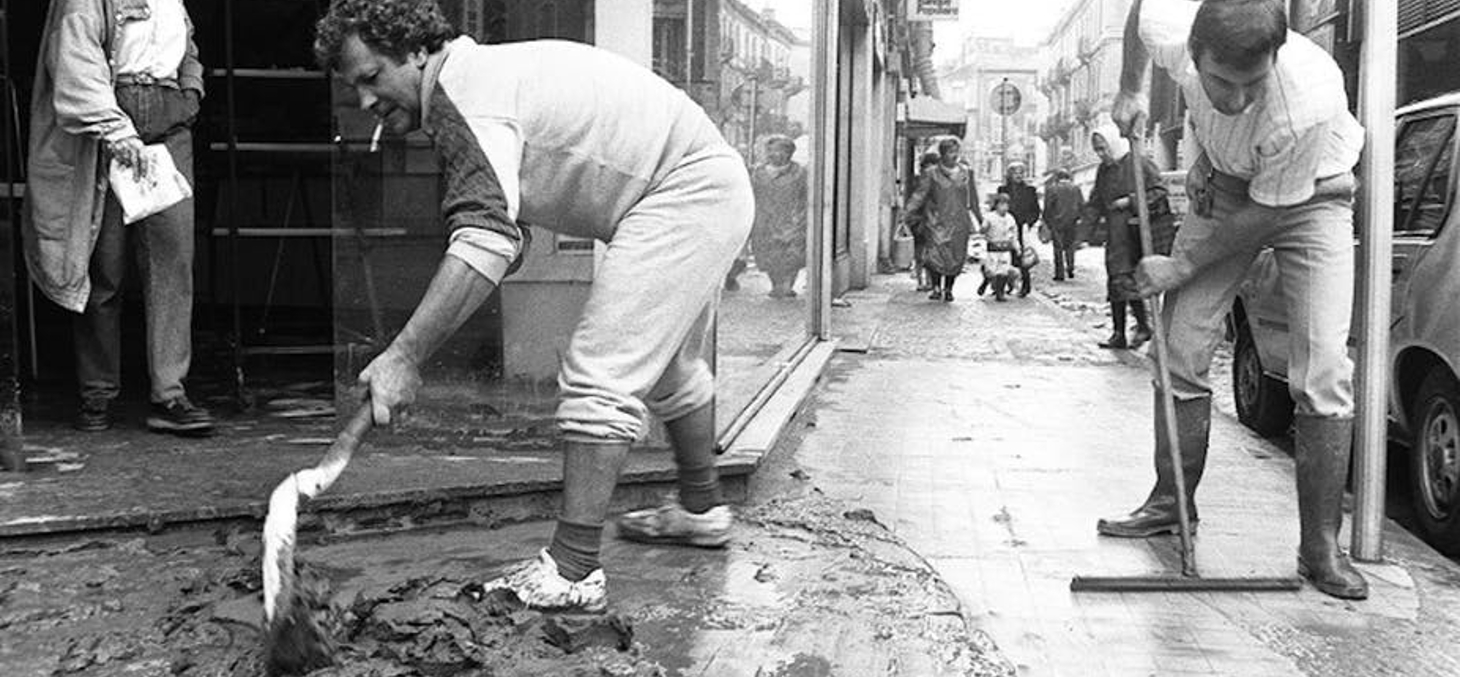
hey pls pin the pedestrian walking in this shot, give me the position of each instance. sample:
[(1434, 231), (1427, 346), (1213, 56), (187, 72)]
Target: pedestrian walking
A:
[(945, 205), (113, 77), (1024, 205), (918, 226), (1276, 149), (778, 238), (1063, 204), (1111, 201), (586, 143)]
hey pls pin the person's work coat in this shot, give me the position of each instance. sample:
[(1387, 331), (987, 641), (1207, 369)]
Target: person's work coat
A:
[(73, 112)]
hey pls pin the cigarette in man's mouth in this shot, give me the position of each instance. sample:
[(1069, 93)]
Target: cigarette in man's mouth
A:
[(375, 137)]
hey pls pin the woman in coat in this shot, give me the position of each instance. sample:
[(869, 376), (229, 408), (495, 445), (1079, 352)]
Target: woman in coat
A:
[(1110, 199), (945, 206), (778, 239)]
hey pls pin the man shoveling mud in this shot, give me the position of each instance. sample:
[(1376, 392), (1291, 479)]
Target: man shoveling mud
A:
[(1277, 146), (583, 142)]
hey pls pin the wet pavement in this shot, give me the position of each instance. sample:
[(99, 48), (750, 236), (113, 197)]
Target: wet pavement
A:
[(990, 437)]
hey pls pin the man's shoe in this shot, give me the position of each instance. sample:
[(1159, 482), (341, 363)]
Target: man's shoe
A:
[(95, 415), (936, 295), (180, 417), (539, 585), (1115, 342), (672, 524)]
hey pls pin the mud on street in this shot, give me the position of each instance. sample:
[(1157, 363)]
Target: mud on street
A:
[(808, 587)]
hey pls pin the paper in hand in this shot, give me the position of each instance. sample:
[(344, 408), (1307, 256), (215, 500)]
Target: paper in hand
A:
[(163, 187)]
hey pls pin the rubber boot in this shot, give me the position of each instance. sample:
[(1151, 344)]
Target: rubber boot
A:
[(1323, 447), (1117, 321), (1159, 515), (1143, 324)]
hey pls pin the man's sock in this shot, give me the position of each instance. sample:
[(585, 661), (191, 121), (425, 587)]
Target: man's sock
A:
[(575, 548), (699, 488)]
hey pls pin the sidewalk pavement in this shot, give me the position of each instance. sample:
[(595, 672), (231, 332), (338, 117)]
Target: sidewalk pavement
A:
[(990, 437)]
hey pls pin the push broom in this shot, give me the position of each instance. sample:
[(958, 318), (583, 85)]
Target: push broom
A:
[(1189, 579), (293, 641)]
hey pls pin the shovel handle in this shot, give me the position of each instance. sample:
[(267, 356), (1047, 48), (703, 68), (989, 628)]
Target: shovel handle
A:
[(1163, 373)]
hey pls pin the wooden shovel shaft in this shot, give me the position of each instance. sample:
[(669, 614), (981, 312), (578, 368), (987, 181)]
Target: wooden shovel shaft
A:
[(1163, 374)]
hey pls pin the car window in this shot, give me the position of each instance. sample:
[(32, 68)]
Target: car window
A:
[(1423, 156)]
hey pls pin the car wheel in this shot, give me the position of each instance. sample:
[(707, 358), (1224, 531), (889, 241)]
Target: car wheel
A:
[(1263, 402), (1435, 464)]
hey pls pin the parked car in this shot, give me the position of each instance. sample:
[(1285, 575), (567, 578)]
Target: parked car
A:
[(1424, 393)]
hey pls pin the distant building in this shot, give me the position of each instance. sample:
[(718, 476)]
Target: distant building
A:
[(969, 79), (746, 69), (1084, 56)]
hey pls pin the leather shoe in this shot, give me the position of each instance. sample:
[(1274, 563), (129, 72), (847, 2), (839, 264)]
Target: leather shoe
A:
[(94, 416)]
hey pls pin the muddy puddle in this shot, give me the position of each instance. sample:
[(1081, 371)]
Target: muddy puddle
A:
[(808, 587)]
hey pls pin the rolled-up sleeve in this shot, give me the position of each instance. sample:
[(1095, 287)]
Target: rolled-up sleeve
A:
[(481, 161)]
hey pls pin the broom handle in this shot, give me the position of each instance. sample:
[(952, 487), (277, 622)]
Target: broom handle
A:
[(1163, 375)]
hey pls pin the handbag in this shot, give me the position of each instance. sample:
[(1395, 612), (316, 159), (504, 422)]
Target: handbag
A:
[(1028, 257)]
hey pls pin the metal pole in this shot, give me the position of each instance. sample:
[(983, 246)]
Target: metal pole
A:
[(1003, 131), (1377, 74)]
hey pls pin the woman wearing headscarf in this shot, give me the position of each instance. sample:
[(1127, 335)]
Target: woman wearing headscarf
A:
[(778, 238), (1110, 199), (918, 225), (945, 205)]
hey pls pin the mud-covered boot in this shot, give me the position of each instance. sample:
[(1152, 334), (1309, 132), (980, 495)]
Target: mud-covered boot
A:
[(1159, 514), (1323, 448)]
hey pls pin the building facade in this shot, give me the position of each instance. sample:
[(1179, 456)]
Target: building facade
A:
[(313, 245), (992, 140), (1083, 53)]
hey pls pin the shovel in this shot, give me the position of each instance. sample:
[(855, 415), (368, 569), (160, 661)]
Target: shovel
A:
[(1189, 579), (293, 642)]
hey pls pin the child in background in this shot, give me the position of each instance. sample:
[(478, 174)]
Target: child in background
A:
[(1001, 232)]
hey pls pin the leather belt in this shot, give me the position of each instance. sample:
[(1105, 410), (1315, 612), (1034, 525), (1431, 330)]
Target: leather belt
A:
[(145, 80)]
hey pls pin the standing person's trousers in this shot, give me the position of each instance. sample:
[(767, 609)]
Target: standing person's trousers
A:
[(1313, 246), (643, 342), (162, 250), (1063, 240)]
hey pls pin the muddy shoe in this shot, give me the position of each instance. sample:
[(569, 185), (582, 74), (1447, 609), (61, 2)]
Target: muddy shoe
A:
[(95, 415), (675, 525), (180, 417), (537, 583)]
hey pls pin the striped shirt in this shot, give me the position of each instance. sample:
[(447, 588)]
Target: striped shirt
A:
[(1298, 132)]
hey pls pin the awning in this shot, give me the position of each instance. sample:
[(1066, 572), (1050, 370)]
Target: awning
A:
[(925, 116)]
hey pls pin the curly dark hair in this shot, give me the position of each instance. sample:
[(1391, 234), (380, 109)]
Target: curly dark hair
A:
[(394, 28)]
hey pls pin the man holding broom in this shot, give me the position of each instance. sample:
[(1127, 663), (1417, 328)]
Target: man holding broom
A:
[(584, 142), (1277, 145)]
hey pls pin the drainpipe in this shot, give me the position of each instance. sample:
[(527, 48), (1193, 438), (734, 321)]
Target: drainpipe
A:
[(920, 35)]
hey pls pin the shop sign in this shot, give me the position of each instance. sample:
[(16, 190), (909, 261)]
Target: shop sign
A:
[(932, 10)]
